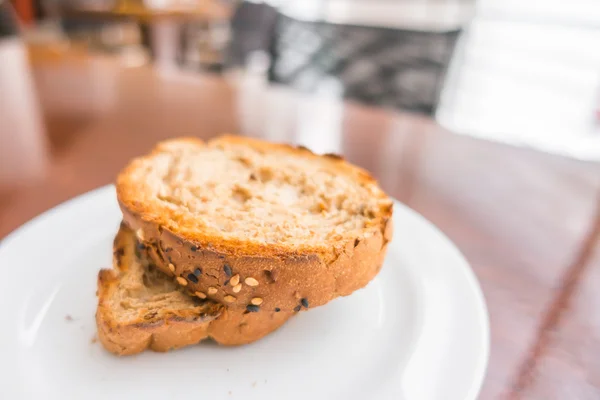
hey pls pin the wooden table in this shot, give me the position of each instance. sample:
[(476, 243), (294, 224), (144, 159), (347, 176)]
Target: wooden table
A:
[(529, 223)]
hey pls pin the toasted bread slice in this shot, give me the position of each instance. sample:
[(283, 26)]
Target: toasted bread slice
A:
[(256, 225), (140, 307)]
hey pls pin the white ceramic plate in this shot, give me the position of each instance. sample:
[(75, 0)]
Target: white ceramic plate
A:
[(418, 331)]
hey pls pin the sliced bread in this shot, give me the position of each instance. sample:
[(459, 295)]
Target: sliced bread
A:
[(257, 226), (140, 307)]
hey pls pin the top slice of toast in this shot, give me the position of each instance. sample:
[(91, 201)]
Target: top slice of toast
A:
[(249, 197)]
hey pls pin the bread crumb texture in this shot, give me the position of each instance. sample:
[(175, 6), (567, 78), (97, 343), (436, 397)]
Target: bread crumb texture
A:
[(261, 193)]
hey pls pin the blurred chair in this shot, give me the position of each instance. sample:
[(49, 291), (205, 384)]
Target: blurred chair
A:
[(252, 30), (399, 66), (396, 68)]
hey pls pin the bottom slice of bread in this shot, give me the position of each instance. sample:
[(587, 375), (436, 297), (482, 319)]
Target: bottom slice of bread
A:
[(140, 307)]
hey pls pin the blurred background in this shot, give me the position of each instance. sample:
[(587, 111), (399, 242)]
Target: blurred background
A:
[(521, 72), (482, 115)]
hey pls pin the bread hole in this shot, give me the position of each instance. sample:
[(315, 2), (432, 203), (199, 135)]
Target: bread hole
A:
[(202, 193), (308, 190), (366, 212), (319, 207), (339, 201), (245, 161), (265, 174), (126, 303), (152, 278), (272, 275), (171, 173), (241, 194), (170, 199), (150, 315)]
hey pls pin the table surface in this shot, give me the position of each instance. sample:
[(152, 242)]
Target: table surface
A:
[(529, 223)]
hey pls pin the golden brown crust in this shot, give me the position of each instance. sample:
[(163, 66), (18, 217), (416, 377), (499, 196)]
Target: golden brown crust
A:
[(174, 328), (236, 327), (289, 279), (283, 281)]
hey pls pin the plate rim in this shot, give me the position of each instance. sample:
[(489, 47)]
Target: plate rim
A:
[(460, 262), (463, 265)]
